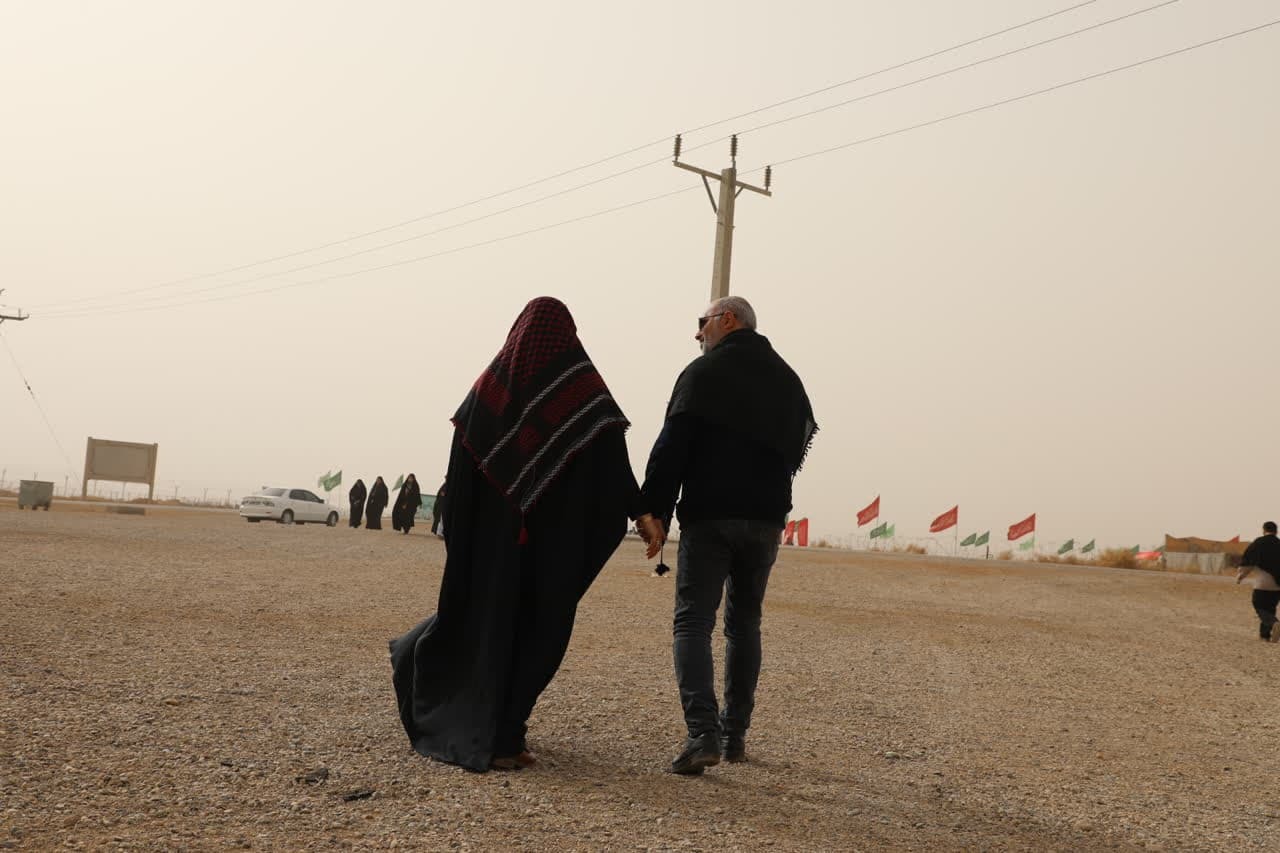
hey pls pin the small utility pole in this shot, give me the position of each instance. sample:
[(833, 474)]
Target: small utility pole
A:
[(730, 187), (18, 316)]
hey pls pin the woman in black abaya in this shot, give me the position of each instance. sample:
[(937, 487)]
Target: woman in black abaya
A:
[(375, 505), (357, 496), (407, 504), (439, 506), (540, 490)]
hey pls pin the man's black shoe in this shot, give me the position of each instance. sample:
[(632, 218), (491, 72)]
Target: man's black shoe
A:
[(699, 753), (733, 747)]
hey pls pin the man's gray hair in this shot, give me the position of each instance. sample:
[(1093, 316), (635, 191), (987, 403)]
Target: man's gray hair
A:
[(740, 307)]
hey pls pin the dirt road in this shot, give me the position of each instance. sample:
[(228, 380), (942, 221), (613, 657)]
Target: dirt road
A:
[(167, 678)]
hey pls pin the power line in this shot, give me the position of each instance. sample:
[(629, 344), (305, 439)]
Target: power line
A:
[(862, 141), (662, 141), (1027, 95), (366, 251), (391, 265), (540, 199), (65, 458), (900, 65), (954, 70)]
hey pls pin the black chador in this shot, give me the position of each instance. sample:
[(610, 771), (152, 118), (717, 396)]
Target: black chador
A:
[(407, 504), (375, 505), (357, 496), (540, 490)]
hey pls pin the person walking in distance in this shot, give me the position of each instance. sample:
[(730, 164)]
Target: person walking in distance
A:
[(1261, 563), (737, 429), (356, 496), (437, 508), (406, 505), (374, 506)]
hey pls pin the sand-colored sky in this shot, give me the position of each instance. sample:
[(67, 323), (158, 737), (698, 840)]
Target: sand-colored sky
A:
[(1064, 305)]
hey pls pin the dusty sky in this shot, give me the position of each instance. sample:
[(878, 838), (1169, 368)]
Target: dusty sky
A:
[(1064, 305)]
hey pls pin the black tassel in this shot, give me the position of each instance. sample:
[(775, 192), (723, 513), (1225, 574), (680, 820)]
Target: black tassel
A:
[(662, 568)]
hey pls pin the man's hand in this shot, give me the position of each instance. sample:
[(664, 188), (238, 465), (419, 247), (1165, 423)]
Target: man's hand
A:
[(653, 534)]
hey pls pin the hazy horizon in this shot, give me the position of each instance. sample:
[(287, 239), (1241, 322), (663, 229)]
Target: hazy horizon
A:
[(1060, 305)]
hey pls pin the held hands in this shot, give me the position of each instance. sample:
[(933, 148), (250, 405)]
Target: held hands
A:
[(653, 534)]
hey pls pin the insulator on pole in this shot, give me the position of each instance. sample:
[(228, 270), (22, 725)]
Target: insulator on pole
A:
[(675, 155), (768, 176), (733, 147)]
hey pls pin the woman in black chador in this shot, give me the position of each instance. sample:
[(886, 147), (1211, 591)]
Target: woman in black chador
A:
[(357, 496), (375, 505), (439, 506), (407, 504), (540, 489)]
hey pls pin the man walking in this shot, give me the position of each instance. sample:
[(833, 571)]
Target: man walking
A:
[(1262, 559), (737, 429)]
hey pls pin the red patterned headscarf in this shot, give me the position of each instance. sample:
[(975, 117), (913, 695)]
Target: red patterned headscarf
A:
[(538, 403)]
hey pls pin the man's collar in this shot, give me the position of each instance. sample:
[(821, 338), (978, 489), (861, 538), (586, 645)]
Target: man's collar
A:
[(738, 334)]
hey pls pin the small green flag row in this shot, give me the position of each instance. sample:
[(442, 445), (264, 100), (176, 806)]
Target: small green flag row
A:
[(1070, 545), (883, 531)]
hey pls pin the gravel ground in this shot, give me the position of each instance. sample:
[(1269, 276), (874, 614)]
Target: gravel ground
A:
[(168, 680)]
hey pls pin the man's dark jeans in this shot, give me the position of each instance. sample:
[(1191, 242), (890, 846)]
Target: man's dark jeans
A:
[(711, 553), (1264, 604)]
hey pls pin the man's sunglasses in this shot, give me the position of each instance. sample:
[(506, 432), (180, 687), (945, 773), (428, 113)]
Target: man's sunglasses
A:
[(702, 321)]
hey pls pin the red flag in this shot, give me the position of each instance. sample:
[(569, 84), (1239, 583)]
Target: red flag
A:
[(1235, 538), (802, 532), (788, 535), (871, 513), (950, 518), (1022, 528)]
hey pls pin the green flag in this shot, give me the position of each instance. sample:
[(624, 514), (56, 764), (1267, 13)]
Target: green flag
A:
[(1069, 545), (1135, 549), (983, 539), (331, 481), (889, 532), (971, 539), (877, 532), (1087, 548), (320, 480), (1028, 545), (399, 482)]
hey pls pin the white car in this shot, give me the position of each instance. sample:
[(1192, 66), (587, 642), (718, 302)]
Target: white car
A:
[(287, 506)]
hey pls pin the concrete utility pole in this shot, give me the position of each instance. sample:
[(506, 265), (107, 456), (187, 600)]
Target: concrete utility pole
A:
[(730, 187)]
